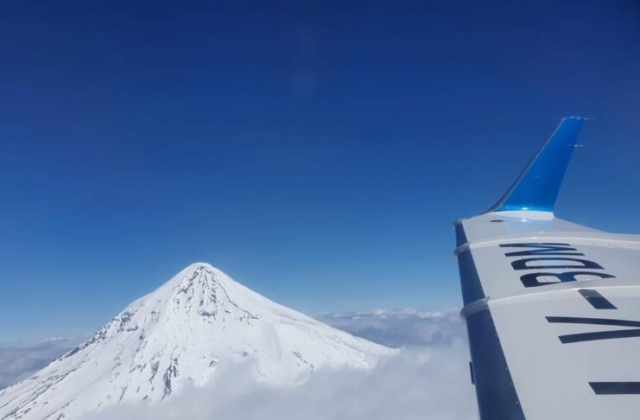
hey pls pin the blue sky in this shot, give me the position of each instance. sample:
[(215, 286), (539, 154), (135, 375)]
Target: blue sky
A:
[(315, 151)]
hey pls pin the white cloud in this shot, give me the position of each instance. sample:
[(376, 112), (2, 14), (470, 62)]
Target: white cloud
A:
[(19, 360), (402, 327), (429, 379), (420, 383)]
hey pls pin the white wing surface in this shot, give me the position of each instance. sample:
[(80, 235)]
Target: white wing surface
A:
[(552, 308)]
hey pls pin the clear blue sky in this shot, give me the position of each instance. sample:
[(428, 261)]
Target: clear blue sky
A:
[(315, 151)]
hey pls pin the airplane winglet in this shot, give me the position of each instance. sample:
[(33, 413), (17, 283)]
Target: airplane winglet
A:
[(536, 189)]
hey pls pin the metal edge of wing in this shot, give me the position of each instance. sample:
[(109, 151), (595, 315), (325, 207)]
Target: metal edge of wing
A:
[(496, 394)]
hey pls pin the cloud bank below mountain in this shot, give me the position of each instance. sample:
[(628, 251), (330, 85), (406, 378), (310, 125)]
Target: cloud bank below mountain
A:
[(428, 379), (402, 327), (19, 360)]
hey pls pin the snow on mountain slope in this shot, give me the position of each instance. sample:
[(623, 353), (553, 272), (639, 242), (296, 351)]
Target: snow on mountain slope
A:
[(183, 333)]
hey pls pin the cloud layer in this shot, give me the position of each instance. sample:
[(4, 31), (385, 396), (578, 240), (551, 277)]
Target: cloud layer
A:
[(418, 384), (19, 360), (402, 327), (429, 379)]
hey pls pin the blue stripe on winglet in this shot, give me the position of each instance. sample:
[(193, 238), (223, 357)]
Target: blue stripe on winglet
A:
[(537, 187)]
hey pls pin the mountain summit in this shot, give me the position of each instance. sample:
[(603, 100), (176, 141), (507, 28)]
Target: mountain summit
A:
[(182, 334)]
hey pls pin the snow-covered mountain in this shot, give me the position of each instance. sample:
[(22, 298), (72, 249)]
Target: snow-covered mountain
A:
[(183, 333)]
